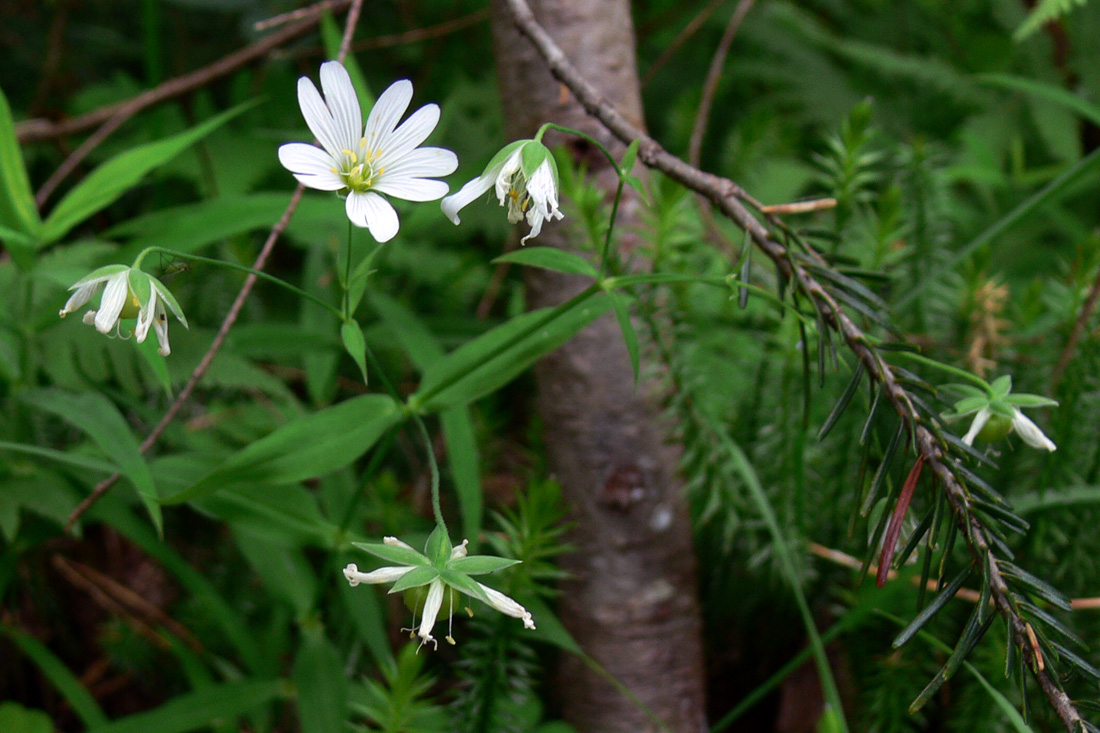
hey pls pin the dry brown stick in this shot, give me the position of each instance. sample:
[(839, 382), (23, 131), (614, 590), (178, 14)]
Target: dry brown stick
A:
[(710, 84), (37, 130), (299, 14), (411, 36), (681, 38), (1078, 328), (230, 318), (728, 197), (76, 157)]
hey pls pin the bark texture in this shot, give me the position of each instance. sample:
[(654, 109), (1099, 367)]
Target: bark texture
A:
[(631, 602)]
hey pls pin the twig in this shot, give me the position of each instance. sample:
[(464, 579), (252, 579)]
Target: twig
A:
[(299, 14), (681, 38), (1078, 328), (39, 129), (415, 35), (730, 198), (230, 318), (846, 560), (710, 84)]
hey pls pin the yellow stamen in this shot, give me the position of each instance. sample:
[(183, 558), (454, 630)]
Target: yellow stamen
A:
[(362, 142)]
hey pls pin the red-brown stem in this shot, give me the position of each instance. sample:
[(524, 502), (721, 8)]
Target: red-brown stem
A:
[(890, 544)]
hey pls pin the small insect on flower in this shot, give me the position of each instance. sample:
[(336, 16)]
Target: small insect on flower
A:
[(127, 293), (444, 571), (525, 178), (364, 163)]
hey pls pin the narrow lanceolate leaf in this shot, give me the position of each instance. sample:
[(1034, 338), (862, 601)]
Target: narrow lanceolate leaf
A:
[(893, 530), (495, 358), (307, 447), (464, 583), (1052, 623), (17, 209), (1041, 588), (121, 173), (1076, 662), (622, 313), (199, 709), (971, 635), (98, 417), (883, 470), (933, 608), (58, 674), (352, 336), (842, 403), (481, 564), (550, 258), (416, 577)]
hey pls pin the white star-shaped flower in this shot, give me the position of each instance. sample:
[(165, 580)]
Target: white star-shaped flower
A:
[(997, 413), (366, 162), (127, 293), (525, 178), (452, 569)]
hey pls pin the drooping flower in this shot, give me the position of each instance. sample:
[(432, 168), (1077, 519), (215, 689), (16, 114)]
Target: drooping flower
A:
[(127, 293), (449, 568), (365, 163), (998, 414), (525, 178)]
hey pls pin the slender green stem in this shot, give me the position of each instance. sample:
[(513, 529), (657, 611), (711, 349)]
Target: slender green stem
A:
[(954, 371), (376, 367), (240, 268), (453, 377), (347, 275), (578, 133)]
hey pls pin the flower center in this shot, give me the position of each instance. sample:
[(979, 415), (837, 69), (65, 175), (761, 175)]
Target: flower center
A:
[(518, 198), (361, 168)]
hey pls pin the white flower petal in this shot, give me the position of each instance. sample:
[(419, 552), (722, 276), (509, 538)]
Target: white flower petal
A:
[(370, 211), (82, 295), (343, 102), (381, 575), (413, 189), (507, 606), (423, 163), (319, 118), (114, 298), (412, 132), (145, 316), (506, 172), (160, 325), (311, 166), (460, 550), (432, 603), (1030, 432), (976, 427), (472, 190), (387, 112)]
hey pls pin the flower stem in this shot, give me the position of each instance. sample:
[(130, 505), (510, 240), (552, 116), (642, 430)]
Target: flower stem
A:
[(241, 268), (347, 275), (954, 371)]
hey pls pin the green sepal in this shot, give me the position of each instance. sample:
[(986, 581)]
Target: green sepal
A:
[(480, 564), (532, 156), (1002, 385), (464, 583), (970, 405), (501, 155), (100, 272), (140, 286), (393, 553), (415, 577), (438, 547), (1029, 400), (999, 407), (170, 300)]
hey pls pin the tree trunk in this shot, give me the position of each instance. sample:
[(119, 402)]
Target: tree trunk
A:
[(631, 602)]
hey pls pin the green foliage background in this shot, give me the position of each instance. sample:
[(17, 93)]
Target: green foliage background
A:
[(930, 124)]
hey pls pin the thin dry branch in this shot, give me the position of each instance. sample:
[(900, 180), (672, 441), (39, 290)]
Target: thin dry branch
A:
[(37, 130), (731, 199), (230, 318)]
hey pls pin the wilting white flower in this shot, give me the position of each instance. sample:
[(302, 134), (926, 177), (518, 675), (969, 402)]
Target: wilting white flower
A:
[(450, 570), (525, 178), (127, 293), (997, 414), (365, 163)]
